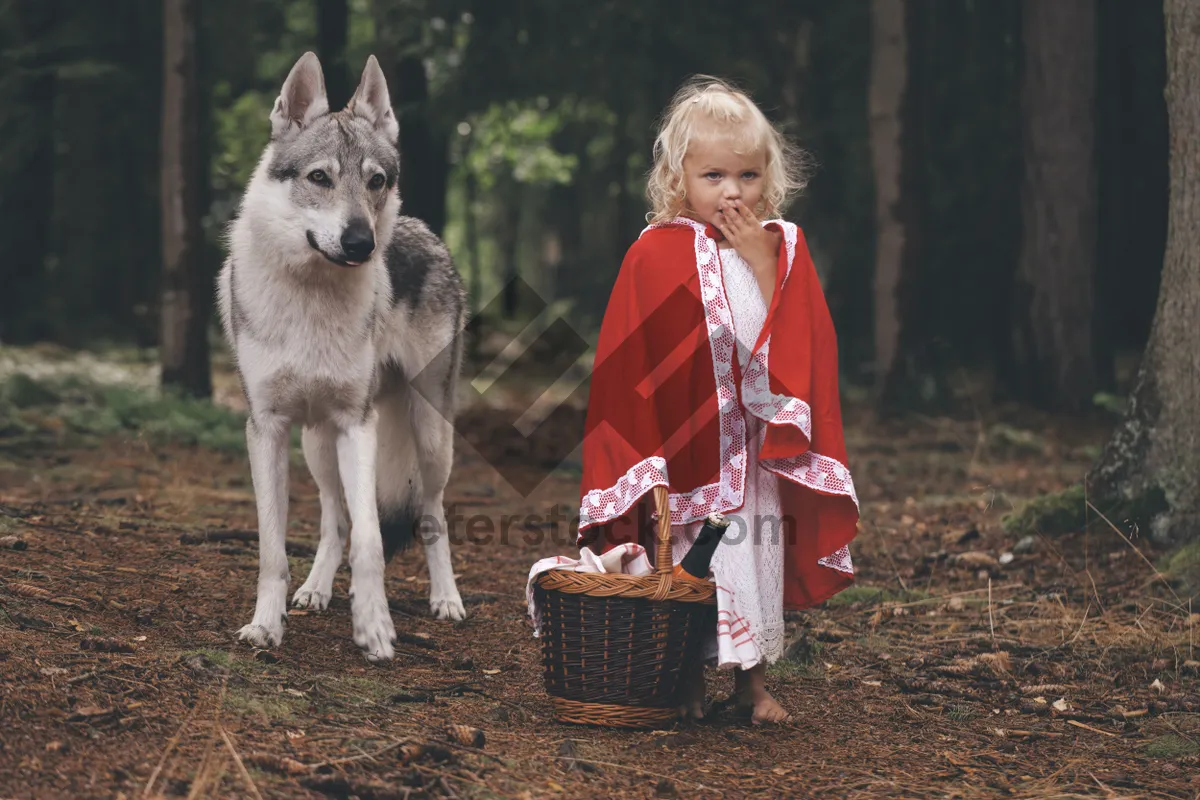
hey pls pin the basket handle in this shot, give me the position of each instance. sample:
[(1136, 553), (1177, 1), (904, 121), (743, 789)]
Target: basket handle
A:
[(662, 553)]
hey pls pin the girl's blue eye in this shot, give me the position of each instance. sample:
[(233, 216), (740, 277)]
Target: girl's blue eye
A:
[(749, 176), (713, 175)]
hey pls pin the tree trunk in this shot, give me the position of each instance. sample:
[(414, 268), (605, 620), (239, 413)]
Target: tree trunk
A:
[(909, 373), (1054, 302), (1155, 447), (333, 26), (564, 217), (1132, 146), (186, 294), (144, 271), (424, 148), (885, 99), (508, 240), (471, 234)]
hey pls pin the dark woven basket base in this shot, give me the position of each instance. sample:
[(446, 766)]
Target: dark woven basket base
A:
[(617, 651)]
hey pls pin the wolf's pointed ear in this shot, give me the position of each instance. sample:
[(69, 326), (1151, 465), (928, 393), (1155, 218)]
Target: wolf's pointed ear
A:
[(302, 98), (372, 102)]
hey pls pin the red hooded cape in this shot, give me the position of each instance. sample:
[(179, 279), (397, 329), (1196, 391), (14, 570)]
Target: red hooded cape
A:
[(666, 399)]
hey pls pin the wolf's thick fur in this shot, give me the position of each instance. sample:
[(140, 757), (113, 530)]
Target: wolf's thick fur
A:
[(346, 318)]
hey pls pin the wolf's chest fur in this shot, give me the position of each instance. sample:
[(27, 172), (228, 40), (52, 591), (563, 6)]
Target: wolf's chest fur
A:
[(311, 399), (307, 352)]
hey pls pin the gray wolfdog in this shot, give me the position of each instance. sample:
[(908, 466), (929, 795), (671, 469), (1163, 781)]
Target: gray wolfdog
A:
[(347, 319)]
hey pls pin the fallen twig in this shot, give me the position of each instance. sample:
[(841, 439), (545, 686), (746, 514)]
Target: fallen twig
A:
[(1141, 555), (991, 617), (1079, 724), (238, 760), (942, 597), (203, 773), (167, 752), (92, 674)]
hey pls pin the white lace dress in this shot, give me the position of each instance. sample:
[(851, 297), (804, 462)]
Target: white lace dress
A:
[(748, 564)]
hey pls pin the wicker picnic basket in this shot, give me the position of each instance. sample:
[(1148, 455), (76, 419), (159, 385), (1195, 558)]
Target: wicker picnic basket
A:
[(614, 645)]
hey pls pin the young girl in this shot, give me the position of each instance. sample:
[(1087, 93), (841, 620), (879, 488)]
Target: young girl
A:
[(716, 376)]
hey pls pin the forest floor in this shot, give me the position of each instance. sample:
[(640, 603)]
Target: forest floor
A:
[(964, 663)]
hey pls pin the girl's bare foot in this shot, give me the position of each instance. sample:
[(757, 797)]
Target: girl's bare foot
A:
[(692, 692), (751, 688)]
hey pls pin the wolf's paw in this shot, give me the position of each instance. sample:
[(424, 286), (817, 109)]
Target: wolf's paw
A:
[(262, 636), (448, 607), (373, 630), (314, 599)]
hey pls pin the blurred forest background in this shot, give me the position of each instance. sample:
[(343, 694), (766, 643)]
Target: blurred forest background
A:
[(989, 195), (1004, 209)]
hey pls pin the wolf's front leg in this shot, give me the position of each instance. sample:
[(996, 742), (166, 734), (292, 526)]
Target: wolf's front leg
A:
[(267, 443), (373, 629), (435, 452), (320, 452), (444, 599)]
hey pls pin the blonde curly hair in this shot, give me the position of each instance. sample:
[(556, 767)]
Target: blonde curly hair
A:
[(709, 108)]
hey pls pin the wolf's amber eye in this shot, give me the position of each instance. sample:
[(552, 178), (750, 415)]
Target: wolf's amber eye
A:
[(319, 177), (377, 181)]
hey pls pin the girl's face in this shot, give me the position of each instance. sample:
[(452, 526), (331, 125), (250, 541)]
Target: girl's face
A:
[(715, 176)]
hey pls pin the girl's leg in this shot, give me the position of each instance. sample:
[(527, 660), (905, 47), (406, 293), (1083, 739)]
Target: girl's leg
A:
[(751, 687), (693, 691)]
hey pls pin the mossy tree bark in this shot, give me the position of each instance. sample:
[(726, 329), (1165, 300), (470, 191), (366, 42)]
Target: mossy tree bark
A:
[(1156, 448)]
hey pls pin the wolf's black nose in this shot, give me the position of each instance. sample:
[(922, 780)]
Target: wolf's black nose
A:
[(357, 241)]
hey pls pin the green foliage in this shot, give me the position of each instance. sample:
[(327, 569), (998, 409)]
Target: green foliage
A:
[(1006, 437), (1172, 746), (1067, 511), (87, 408), (1052, 513), (961, 712), (250, 701), (299, 34), (1112, 403), (1184, 565), (21, 391), (801, 659), (220, 658), (785, 669), (241, 133), (514, 139)]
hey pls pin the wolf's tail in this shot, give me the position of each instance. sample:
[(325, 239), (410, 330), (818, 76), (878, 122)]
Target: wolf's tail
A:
[(397, 471)]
